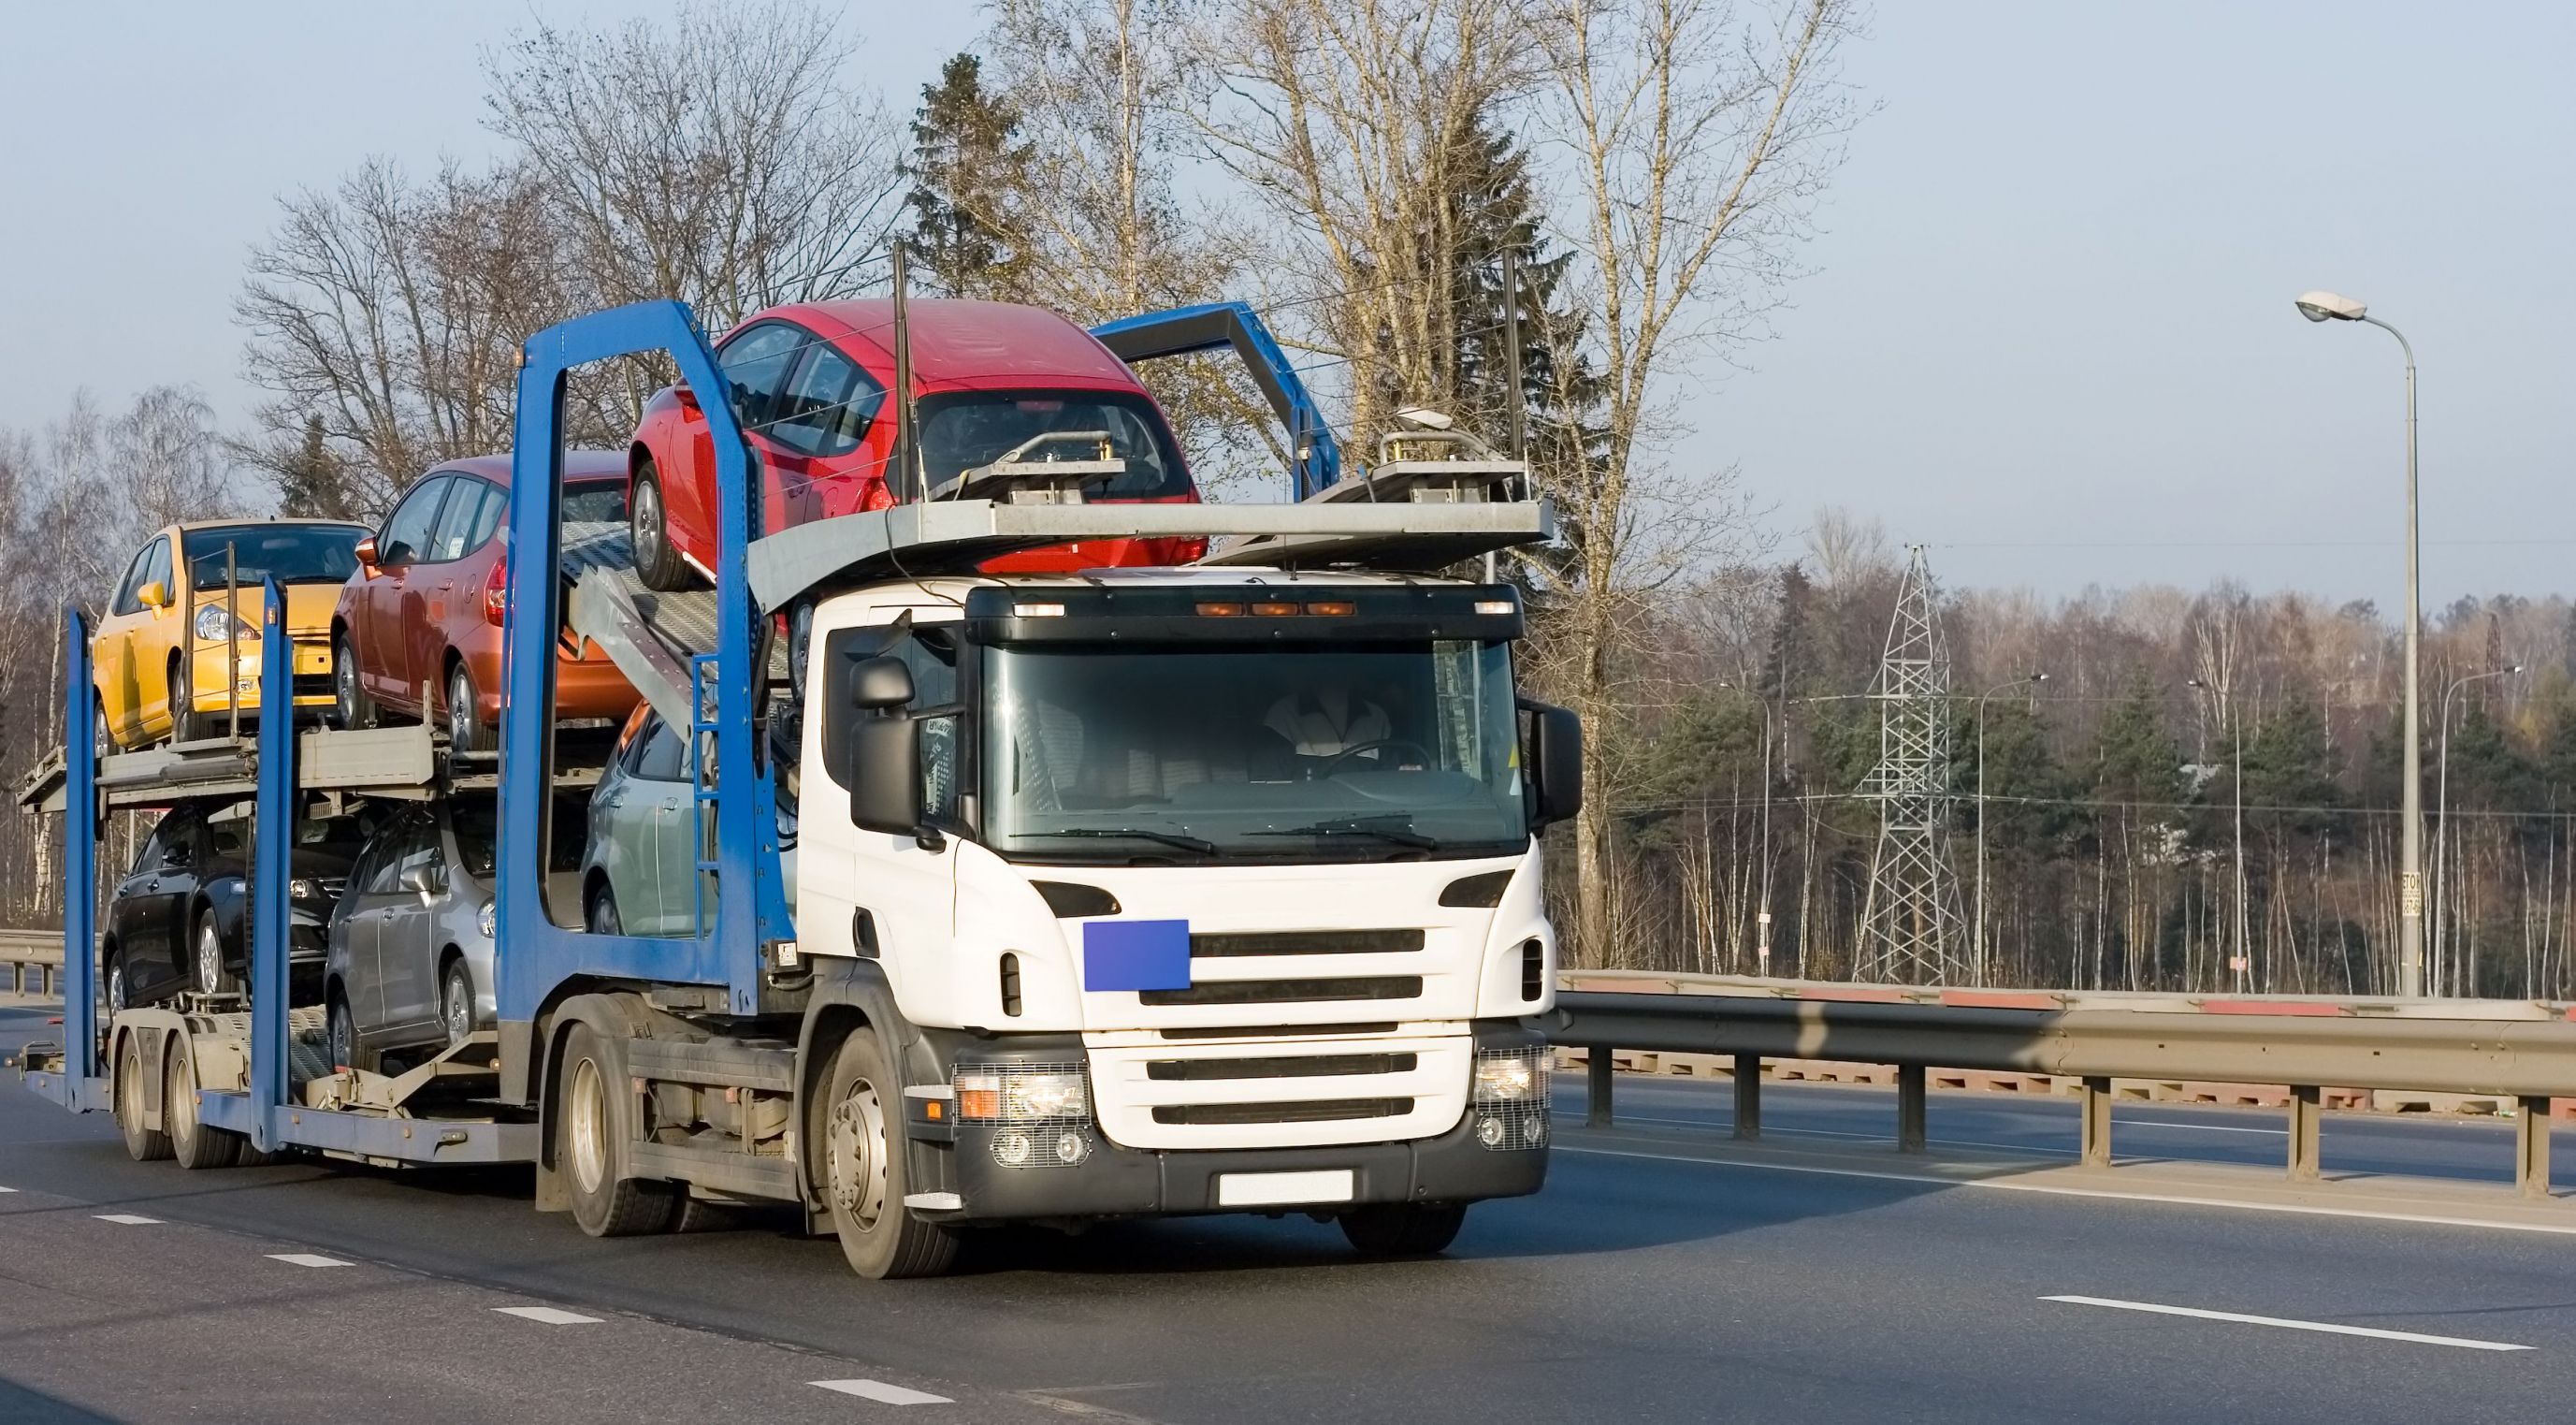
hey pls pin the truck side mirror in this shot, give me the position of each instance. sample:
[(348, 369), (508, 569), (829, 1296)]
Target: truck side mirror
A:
[(879, 683), (885, 770), (1556, 763)]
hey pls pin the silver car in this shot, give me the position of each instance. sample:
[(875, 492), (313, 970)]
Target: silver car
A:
[(410, 959), (639, 867)]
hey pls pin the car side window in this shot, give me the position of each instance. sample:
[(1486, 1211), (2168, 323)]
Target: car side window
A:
[(177, 842), (829, 404), (454, 537), (663, 756), (407, 534), (156, 570), (496, 505), (755, 365), (129, 595), (148, 859)]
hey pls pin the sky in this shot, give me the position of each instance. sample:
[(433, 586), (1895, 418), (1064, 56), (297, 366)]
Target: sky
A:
[(2046, 329)]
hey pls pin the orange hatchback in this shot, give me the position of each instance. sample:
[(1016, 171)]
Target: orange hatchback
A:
[(418, 628)]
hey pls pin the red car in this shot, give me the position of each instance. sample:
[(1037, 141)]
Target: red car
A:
[(809, 387), (418, 627)]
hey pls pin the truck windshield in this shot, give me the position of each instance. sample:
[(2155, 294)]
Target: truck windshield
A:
[(1341, 752)]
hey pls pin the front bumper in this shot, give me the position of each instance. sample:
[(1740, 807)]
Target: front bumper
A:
[(210, 692), (1112, 1181)]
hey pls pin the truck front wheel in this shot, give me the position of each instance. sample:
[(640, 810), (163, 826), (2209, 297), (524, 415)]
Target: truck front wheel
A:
[(866, 1171), (592, 1117), (1404, 1229)]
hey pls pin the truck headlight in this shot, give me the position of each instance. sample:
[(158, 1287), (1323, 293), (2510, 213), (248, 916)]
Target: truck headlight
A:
[(216, 626), (1022, 1093), (1508, 1076)]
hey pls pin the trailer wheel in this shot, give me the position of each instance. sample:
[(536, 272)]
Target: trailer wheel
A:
[(142, 1144), (191, 1142), (867, 1173), (593, 1118), (1404, 1229), (648, 529)]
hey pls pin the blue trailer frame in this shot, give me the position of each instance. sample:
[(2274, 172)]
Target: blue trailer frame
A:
[(1314, 456)]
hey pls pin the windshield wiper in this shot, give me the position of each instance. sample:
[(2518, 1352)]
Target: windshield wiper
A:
[(1200, 845), (1401, 836)]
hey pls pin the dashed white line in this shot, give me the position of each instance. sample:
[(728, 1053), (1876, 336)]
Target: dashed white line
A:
[(306, 1259), (551, 1316), (2375, 1333), (7, 1189), (128, 1219), (882, 1393)]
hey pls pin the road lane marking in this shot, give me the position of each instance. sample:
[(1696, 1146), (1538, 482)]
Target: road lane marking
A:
[(551, 1316), (882, 1393), (2375, 1333), (7, 1189), (2176, 1199), (306, 1259), (128, 1219)]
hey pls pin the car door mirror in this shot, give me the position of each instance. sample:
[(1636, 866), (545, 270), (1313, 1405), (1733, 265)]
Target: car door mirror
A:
[(1555, 763), (885, 773), (154, 596), (367, 554), (421, 880)]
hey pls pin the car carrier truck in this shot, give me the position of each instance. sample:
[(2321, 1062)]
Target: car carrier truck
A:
[(1117, 893)]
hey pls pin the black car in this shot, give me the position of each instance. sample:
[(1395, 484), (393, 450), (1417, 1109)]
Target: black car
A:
[(177, 920)]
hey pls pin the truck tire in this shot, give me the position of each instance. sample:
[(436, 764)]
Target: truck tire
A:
[(648, 531), (866, 1172), (594, 1121), (192, 1141), (142, 1144), (1404, 1229)]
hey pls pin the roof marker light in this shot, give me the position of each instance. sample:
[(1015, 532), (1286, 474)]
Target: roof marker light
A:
[(1221, 610), (1038, 610), (1493, 606), (1275, 610)]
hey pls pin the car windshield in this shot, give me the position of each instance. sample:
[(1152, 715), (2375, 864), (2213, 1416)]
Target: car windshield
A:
[(1341, 752), (478, 834), (288, 553), (595, 502), (324, 845), (963, 430)]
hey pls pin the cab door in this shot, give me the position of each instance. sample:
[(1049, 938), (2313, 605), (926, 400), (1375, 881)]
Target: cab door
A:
[(870, 892), (398, 599)]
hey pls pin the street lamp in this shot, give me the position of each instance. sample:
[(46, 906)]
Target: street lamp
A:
[(1978, 940), (2442, 831), (2330, 306), (1762, 916), (2239, 962)]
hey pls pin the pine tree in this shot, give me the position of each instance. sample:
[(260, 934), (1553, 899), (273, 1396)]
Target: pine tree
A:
[(313, 483), (969, 170)]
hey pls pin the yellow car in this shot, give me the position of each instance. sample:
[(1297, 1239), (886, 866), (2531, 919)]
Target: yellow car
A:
[(173, 653)]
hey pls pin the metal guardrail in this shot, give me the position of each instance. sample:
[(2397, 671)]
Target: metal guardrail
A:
[(33, 956), (2172, 1001), (2528, 1060)]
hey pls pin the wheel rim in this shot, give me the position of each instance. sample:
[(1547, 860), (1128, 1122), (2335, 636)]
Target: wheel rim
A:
[(344, 1036), (858, 1148), (129, 1094), (647, 525), (460, 711), (210, 958), (179, 1105), (460, 1011), (589, 1127), (603, 916), (115, 988), (344, 684)]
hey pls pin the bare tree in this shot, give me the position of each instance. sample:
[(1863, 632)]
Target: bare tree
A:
[(1696, 156)]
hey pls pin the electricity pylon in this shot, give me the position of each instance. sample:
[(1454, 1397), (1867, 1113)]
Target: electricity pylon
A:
[(1911, 931)]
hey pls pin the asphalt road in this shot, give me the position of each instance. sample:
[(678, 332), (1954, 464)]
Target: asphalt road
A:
[(1642, 1284)]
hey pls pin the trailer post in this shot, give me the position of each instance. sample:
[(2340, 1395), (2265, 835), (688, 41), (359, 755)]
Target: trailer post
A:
[(272, 860), (80, 868)]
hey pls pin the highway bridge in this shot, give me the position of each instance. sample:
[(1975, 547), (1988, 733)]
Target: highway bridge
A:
[(1666, 1273)]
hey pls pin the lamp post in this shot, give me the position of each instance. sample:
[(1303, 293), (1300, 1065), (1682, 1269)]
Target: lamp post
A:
[(1762, 915), (2240, 962), (2442, 971), (1977, 940), (2329, 306)]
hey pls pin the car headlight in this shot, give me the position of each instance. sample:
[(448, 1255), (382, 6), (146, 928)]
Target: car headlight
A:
[(215, 626), (304, 888), (1508, 1076), (1018, 1093), (483, 920)]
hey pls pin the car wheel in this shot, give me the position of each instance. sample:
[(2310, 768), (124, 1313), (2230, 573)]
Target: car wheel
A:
[(464, 727), (603, 913), (142, 1144), (112, 982), (101, 740), (207, 964), (593, 1120), (186, 723), (192, 1141), (1404, 1229), (348, 695), (456, 1003), (648, 527), (866, 1173), (343, 1034)]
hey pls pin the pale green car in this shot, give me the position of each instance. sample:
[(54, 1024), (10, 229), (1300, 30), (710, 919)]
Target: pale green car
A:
[(639, 864)]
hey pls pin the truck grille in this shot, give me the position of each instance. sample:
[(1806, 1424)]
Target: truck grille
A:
[(1151, 1092), (1370, 987), (1302, 1066), (1333, 1110), (1307, 942)]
